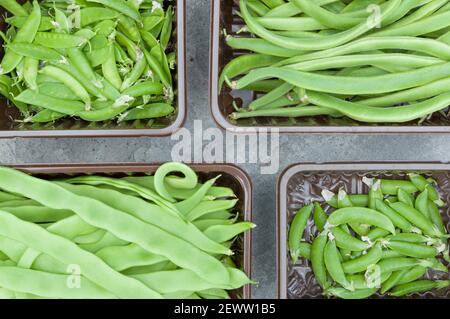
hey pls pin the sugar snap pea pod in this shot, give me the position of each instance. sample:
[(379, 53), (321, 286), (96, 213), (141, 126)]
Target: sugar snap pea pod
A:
[(404, 197), (390, 187), (412, 249), (189, 180), (333, 264), (156, 67), (421, 183), (55, 40), (393, 280), (103, 114), (435, 216), (412, 274), (181, 253), (391, 254), (144, 88), (149, 111), (360, 215), (297, 229), (421, 203), (376, 233), (14, 7), (129, 28), (261, 46), (67, 79), (110, 70), (362, 263), (37, 52), (208, 207), (79, 61), (412, 238), (346, 294), (30, 72), (19, 21), (182, 279), (223, 233), (120, 6), (343, 201), (45, 116), (244, 63), (121, 184), (125, 257), (318, 261), (59, 105), (26, 34), (91, 15), (346, 241), (359, 200), (375, 194), (360, 112), (136, 73), (38, 214), (398, 263), (151, 21), (416, 218), (166, 31), (320, 217), (149, 213), (65, 251), (49, 285), (349, 85), (419, 286)]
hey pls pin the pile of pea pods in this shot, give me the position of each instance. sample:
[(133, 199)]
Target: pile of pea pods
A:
[(383, 242), (151, 236), (385, 61), (95, 60)]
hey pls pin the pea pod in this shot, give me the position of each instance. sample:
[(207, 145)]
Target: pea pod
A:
[(296, 230)]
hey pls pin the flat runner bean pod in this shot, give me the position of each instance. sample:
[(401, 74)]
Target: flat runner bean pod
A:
[(183, 254), (297, 229)]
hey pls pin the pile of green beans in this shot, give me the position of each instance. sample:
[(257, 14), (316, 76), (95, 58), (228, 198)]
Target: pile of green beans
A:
[(384, 61), (93, 60), (381, 242), (151, 236)]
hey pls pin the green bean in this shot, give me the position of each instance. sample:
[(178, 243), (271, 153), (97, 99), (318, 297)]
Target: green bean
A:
[(349, 85), (290, 24), (318, 260), (419, 286), (260, 46), (243, 64), (364, 113), (296, 230), (300, 111)]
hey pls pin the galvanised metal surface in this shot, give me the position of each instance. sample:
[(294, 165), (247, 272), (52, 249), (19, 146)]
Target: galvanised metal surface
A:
[(292, 148)]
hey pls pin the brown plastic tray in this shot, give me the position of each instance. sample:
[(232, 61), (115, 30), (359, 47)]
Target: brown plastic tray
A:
[(9, 115), (299, 184), (224, 17), (231, 176)]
